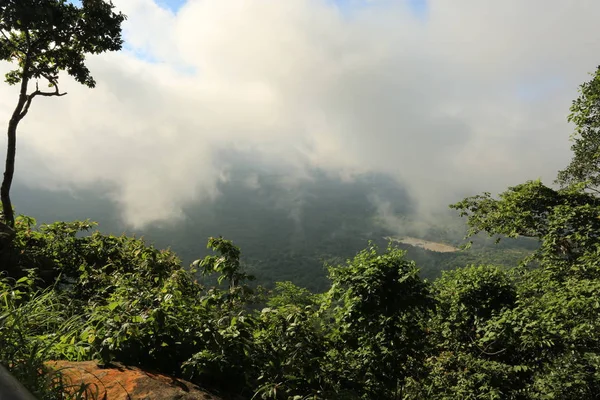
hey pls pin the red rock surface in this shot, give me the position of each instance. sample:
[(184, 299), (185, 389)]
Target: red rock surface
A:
[(127, 383)]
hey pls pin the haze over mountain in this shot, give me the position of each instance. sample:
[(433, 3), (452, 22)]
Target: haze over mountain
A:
[(286, 229)]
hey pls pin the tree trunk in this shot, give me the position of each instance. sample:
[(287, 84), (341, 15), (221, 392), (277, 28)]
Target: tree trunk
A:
[(9, 171)]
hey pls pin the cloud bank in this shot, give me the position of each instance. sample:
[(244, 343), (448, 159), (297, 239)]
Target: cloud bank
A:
[(473, 96)]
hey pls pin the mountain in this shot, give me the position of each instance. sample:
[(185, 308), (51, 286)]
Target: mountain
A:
[(286, 230)]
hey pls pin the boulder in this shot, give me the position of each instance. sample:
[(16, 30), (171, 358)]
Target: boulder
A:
[(119, 382)]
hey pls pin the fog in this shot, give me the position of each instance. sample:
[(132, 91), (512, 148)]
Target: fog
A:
[(467, 96)]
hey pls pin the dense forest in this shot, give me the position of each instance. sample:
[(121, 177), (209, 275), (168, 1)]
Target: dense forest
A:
[(517, 322)]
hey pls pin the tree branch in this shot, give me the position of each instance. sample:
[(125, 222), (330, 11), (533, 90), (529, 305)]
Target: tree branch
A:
[(4, 34), (38, 92), (484, 350), (592, 189), (12, 43)]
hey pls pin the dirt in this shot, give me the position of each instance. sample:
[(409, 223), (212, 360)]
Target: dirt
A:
[(426, 244)]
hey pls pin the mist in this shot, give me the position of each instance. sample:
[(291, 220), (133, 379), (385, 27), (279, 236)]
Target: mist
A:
[(463, 97)]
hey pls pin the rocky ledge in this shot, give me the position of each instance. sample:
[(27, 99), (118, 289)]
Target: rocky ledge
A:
[(120, 382)]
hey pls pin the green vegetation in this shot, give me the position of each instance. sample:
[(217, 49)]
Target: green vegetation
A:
[(380, 331)]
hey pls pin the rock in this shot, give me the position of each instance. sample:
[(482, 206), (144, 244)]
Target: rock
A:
[(120, 382), (11, 388)]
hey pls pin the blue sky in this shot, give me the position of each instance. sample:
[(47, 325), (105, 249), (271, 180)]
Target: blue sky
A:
[(171, 4), (418, 7)]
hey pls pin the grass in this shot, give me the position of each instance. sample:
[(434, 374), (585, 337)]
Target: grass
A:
[(34, 326)]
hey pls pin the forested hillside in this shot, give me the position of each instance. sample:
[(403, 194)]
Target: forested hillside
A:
[(288, 231)]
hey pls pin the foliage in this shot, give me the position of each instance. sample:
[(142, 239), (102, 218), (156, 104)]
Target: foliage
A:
[(288, 294), (564, 221), (458, 375), (585, 114), (227, 264), (32, 324), (466, 299), (290, 346), (379, 332), (548, 334), (49, 36), (379, 304)]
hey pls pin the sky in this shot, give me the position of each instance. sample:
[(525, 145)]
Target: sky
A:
[(449, 97)]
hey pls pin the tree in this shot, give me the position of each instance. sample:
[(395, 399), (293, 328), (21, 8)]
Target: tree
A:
[(227, 264), (585, 114), (466, 299), (565, 221), (545, 344), (45, 37), (379, 307)]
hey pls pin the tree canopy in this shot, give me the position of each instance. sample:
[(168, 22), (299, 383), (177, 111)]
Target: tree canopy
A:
[(45, 37)]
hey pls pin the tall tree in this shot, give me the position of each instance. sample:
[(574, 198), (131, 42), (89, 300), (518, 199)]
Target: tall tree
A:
[(43, 38), (565, 221), (540, 340), (585, 114)]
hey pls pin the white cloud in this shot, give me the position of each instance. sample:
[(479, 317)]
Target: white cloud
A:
[(473, 98)]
